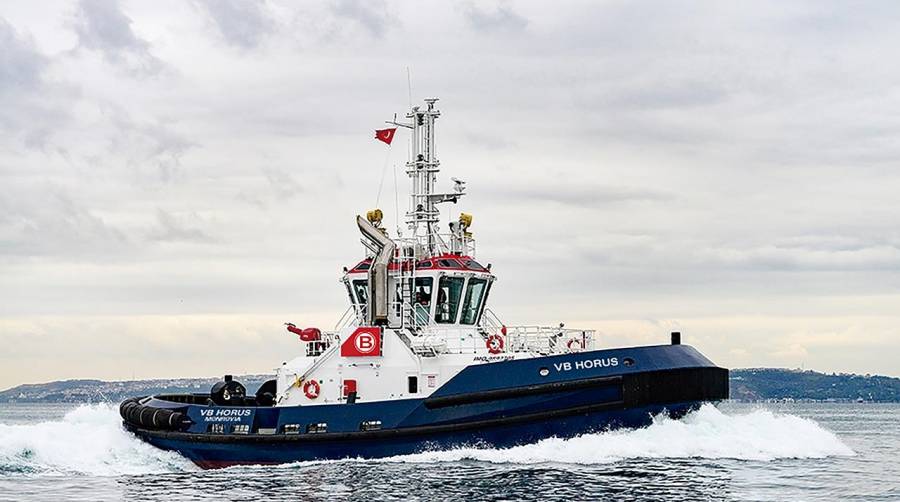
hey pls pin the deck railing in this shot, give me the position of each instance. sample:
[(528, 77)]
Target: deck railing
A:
[(548, 340), (532, 339), (433, 339)]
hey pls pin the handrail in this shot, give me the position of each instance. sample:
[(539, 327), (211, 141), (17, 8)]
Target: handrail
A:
[(332, 347), (548, 340), (531, 339), (345, 318), (489, 320)]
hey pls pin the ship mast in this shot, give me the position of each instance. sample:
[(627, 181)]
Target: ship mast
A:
[(423, 217)]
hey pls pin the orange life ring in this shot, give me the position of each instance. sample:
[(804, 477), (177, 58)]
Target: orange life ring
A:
[(311, 389), (578, 343), (494, 344)]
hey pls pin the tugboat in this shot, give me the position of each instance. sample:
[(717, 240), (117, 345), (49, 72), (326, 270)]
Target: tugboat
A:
[(418, 361)]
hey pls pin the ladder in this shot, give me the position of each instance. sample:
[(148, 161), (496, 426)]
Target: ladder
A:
[(406, 264)]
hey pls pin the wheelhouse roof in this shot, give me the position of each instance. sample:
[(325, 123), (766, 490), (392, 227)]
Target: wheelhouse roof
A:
[(441, 262)]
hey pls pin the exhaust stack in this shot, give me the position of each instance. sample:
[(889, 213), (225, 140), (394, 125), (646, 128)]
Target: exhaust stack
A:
[(377, 308)]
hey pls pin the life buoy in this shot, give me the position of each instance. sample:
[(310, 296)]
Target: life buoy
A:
[(575, 345), (494, 344), (311, 389)]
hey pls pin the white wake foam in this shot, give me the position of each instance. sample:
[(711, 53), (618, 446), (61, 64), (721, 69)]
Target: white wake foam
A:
[(706, 433), (88, 440)]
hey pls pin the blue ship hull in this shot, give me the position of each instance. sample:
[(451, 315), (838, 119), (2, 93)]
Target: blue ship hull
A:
[(499, 404), (222, 454)]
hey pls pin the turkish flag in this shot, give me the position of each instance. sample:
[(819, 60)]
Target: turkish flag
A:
[(364, 341), (386, 135)]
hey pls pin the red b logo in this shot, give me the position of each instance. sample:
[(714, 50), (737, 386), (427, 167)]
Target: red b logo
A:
[(365, 342)]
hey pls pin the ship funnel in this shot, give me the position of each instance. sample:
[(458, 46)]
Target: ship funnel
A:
[(377, 308)]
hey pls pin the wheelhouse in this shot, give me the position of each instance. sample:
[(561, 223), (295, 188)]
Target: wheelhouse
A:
[(448, 290)]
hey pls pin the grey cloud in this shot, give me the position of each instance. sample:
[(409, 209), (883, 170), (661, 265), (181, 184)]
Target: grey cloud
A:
[(667, 94), (582, 196), (639, 130), (502, 18), (241, 23), (47, 221), (622, 157), (490, 141), (31, 109), (830, 242), (283, 184), (21, 65), (102, 26), (38, 138), (148, 142), (370, 14), (660, 255), (792, 258), (173, 229), (251, 199)]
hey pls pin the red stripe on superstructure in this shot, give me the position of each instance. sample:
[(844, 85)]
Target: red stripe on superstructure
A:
[(434, 264)]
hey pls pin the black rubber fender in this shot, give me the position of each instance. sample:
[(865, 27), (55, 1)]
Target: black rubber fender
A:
[(149, 417)]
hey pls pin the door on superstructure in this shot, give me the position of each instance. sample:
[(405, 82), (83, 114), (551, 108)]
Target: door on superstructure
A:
[(422, 300), (449, 292), (471, 306)]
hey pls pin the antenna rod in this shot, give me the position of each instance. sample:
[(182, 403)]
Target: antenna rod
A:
[(409, 86)]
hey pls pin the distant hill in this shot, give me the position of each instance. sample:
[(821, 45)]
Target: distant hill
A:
[(84, 391), (754, 384)]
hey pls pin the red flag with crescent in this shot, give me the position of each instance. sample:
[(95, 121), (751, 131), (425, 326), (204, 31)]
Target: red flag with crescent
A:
[(385, 135)]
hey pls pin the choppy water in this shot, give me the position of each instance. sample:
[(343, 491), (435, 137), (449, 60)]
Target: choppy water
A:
[(734, 452)]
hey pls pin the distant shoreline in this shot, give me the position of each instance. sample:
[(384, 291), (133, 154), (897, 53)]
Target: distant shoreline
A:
[(747, 385)]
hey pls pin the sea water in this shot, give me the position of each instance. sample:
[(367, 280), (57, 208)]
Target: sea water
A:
[(730, 452)]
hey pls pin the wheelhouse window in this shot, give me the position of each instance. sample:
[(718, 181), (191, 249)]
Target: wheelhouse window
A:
[(398, 298), (422, 300), (350, 293), (473, 265), (472, 301), (484, 299), (361, 287), (448, 294)]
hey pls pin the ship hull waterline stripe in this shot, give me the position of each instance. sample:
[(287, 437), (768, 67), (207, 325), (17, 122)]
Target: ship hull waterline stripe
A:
[(530, 390), (378, 434)]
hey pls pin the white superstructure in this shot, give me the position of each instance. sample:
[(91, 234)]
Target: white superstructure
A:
[(421, 296)]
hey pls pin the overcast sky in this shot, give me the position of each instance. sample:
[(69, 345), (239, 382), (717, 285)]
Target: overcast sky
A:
[(177, 179)]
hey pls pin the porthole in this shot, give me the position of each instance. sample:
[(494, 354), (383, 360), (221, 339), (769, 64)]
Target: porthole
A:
[(628, 361), (543, 372)]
